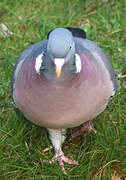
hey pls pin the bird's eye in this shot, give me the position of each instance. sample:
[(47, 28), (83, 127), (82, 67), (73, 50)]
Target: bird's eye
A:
[(70, 47)]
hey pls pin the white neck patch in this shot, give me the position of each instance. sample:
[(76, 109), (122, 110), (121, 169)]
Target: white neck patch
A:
[(38, 63), (77, 63)]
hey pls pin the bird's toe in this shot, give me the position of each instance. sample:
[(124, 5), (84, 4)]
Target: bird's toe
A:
[(87, 127), (59, 156)]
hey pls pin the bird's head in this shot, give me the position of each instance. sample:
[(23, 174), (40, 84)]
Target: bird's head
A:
[(61, 49)]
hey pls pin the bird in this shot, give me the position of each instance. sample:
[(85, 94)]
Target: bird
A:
[(63, 82)]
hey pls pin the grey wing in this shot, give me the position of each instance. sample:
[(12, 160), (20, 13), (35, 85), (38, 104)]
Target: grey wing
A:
[(100, 55), (31, 51)]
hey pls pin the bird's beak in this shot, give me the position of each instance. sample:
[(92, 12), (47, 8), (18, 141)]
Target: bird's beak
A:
[(59, 62)]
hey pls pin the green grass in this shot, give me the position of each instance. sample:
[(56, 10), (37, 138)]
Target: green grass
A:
[(21, 142)]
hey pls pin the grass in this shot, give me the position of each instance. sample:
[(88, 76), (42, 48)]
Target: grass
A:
[(102, 156)]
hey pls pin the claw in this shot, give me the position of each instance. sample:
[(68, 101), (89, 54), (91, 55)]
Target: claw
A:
[(59, 156), (86, 127)]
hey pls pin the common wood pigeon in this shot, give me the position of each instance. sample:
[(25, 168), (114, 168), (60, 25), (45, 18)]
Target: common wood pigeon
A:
[(63, 82)]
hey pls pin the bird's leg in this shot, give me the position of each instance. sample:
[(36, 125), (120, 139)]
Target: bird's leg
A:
[(87, 127), (57, 137)]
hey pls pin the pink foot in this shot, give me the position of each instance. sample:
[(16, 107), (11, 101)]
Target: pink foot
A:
[(88, 126), (59, 155)]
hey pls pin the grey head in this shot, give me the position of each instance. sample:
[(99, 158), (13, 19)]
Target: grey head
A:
[(61, 44), (60, 54)]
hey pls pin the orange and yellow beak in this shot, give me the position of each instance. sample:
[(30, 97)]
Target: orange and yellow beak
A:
[(59, 62), (58, 71)]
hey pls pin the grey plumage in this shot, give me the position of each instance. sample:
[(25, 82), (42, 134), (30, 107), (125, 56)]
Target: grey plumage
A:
[(96, 50)]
